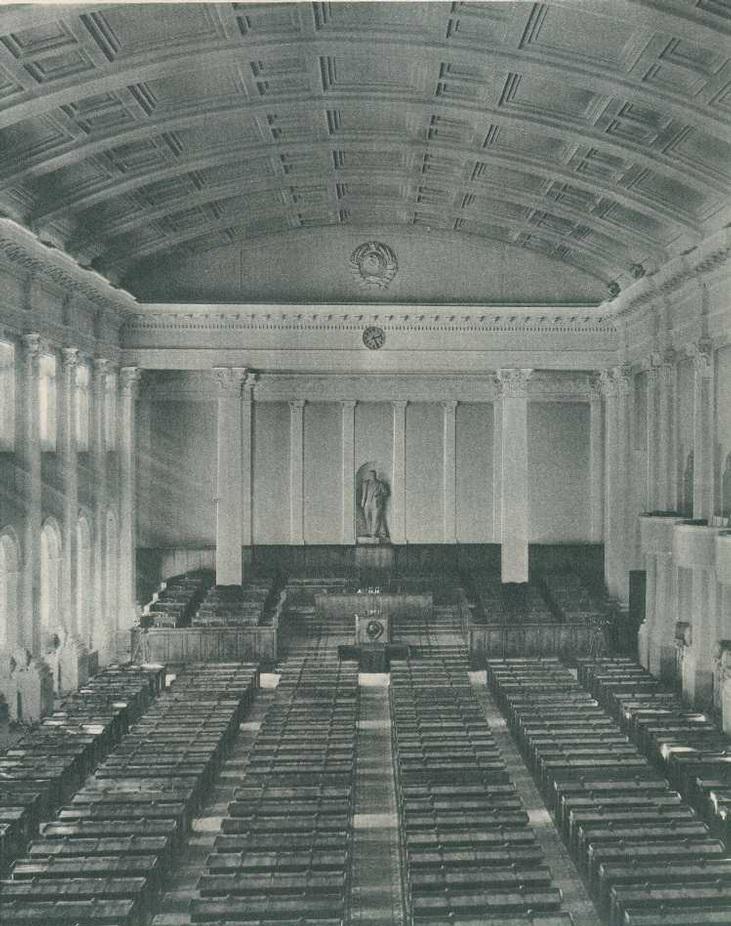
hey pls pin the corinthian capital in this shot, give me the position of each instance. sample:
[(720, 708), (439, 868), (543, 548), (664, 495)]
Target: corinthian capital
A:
[(702, 354), (623, 377), (229, 379), (513, 383), (129, 379), (69, 358), (607, 384), (32, 344)]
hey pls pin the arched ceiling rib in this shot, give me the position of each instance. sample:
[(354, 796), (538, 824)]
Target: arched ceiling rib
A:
[(600, 130)]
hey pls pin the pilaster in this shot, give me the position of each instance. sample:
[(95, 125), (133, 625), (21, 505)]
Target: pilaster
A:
[(347, 417), (296, 471), (129, 379), (28, 456), (69, 482), (449, 471), (513, 387), (229, 490), (247, 408), (398, 477), (596, 463), (99, 629), (703, 436)]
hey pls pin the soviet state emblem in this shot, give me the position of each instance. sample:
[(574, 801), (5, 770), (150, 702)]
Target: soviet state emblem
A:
[(374, 264)]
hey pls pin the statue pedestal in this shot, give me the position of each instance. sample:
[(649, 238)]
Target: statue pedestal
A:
[(370, 555)]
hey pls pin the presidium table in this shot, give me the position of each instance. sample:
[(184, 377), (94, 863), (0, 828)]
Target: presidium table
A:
[(375, 612)]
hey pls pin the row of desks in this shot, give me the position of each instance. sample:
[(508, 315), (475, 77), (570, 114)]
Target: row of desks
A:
[(686, 745), (49, 762), (469, 853), (101, 861), (285, 846), (641, 848)]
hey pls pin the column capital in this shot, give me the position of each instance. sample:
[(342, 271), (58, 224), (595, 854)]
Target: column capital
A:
[(607, 384), (399, 403), (623, 378), (129, 379), (32, 344), (595, 387), (348, 403), (250, 379), (512, 382), (297, 403), (449, 404), (101, 366), (229, 380), (70, 358), (702, 354)]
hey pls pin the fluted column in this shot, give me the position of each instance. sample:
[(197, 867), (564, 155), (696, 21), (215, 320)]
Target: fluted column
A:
[(28, 456), (347, 418), (596, 463), (69, 483), (513, 386), (228, 476), (667, 480), (497, 469), (449, 471), (397, 526), (100, 623), (612, 483), (247, 403), (626, 515), (703, 436), (651, 437), (296, 471), (129, 378)]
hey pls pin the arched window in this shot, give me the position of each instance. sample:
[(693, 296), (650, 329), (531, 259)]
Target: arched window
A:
[(111, 574), (83, 580), (9, 580), (51, 613)]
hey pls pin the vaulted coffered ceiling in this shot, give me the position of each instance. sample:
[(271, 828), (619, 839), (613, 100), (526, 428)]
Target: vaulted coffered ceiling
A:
[(595, 132)]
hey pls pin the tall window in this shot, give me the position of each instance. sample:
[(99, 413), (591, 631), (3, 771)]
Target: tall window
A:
[(51, 616), (9, 569), (48, 400), (7, 396), (83, 406), (110, 411), (83, 580)]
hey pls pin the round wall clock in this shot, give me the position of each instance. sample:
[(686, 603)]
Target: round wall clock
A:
[(374, 337)]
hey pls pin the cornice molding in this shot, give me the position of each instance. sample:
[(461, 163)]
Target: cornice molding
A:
[(710, 256), (21, 248), (353, 318)]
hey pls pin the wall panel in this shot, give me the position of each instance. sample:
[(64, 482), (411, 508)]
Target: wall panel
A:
[(424, 469), (178, 506), (474, 472), (323, 472), (723, 430), (270, 504), (558, 472)]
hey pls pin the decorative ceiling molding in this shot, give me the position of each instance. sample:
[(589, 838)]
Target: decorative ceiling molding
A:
[(22, 249), (390, 318), (710, 257)]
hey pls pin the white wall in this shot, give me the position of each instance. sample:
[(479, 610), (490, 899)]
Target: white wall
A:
[(177, 484), (270, 503), (475, 503), (558, 471)]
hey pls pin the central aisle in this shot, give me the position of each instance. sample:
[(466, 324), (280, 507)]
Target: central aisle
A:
[(377, 896)]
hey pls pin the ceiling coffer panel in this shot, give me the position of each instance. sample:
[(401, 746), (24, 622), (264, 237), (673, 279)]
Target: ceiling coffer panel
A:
[(596, 135)]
